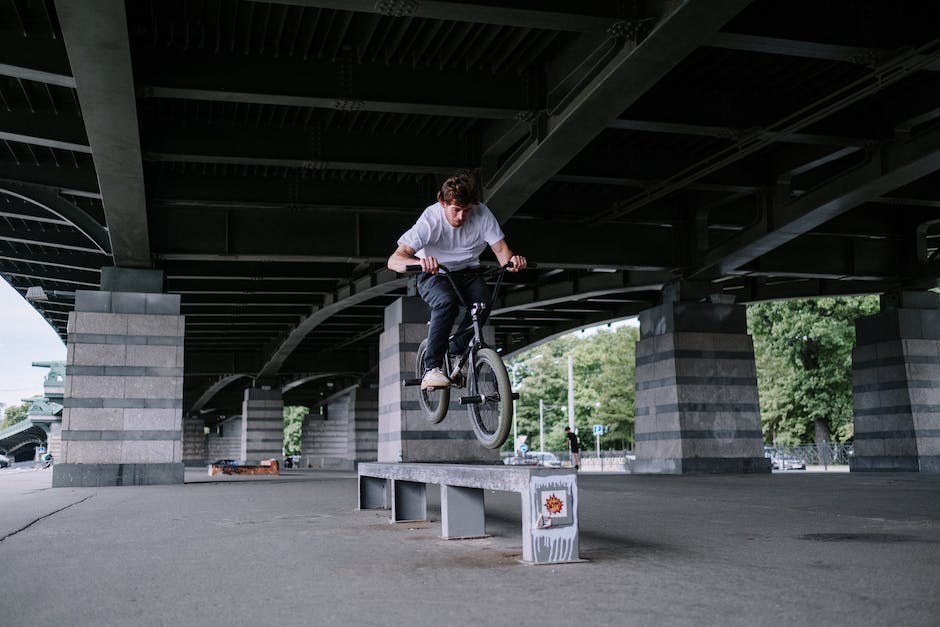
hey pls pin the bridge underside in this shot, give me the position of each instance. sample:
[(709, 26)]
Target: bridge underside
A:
[(264, 157)]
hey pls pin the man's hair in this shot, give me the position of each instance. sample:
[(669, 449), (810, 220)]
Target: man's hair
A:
[(567, 428), (461, 189)]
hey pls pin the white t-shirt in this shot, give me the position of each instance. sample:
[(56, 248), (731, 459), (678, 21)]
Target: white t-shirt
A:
[(455, 247)]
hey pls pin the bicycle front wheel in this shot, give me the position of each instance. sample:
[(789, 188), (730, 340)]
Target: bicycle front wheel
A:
[(433, 402), (492, 417)]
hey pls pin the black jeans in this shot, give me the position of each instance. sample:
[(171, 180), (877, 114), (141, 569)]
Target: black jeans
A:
[(437, 292)]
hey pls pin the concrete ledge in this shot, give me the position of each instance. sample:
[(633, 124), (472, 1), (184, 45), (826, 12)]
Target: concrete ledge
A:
[(549, 501), (95, 475)]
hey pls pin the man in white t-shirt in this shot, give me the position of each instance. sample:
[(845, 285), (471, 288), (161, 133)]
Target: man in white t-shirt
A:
[(453, 231)]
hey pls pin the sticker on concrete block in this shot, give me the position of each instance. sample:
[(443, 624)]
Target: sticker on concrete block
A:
[(556, 506)]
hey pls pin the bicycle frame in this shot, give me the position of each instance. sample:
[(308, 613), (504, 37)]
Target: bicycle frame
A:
[(476, 342)]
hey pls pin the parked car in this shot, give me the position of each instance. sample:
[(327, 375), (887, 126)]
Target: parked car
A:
[(521, 460), (788, 462), (534, 458)]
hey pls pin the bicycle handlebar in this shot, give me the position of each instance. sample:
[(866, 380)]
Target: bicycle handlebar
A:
[(417, 267)]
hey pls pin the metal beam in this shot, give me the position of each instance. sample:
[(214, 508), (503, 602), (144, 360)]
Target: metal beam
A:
[(382, 282), (99, 53), (804, 49), (40, 129), (467, 12), (896, 165), (48, 199), (730, 133), (892, 71), (34, 59), (621, 82)]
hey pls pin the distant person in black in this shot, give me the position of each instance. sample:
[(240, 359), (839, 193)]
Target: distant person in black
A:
[(574, 447)]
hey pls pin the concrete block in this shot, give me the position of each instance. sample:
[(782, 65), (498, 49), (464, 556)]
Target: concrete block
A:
[(95, 419), (100, 355), (157, 419), (886, 350), (162, 304), (920, 372), (128, 302), (925, 348), (100, 323), (94, 452), (154, 325), (92, 301), (96, 387), (864, 354), (147, 451), (153, 387), (153, 356)]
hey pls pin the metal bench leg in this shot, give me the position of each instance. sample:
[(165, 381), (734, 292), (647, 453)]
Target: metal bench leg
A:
[(373, 493), (462, 514), (409, 501)]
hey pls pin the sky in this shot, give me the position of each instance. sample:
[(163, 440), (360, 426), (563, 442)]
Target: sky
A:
[(25, 337)]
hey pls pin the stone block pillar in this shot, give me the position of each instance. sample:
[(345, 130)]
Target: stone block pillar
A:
[(696, 392), (194, 442), (896, 386), (346, 433), (262, 425), (122, 411), (405, 434)]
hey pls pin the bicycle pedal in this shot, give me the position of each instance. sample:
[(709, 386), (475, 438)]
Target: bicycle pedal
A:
[(411, 382)]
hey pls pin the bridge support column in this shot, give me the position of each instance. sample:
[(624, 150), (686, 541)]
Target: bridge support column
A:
[(696, 392), (122, 416), (896, 385), (262, 425), (346, 434), (194, 442), (405, 435)]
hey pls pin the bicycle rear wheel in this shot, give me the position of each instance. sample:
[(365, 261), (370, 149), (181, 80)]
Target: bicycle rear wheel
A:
[(491, 418), (433, 402)]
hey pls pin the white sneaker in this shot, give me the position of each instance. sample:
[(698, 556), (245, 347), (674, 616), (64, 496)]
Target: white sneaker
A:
[(434, 378)]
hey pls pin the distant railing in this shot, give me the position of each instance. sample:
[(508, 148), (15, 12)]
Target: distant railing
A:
[(832, 454)]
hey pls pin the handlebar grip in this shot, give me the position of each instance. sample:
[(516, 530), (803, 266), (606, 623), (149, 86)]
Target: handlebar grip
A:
[(415, 267)]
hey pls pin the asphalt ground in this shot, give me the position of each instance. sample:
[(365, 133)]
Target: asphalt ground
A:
[(796, 548)]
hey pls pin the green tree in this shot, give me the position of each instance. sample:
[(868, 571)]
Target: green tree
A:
[(603, 372), (803, 354), (14, 414), (293, 424)]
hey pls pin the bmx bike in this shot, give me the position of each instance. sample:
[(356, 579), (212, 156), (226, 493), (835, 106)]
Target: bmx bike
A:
[(489, 395)]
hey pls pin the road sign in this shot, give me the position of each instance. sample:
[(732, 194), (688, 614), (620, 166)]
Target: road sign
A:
[(598, 429), (523, 448)]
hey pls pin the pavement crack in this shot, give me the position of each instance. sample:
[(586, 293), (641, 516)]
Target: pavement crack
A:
[(30, 524)]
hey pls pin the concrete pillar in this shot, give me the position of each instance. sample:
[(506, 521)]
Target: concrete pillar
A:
[(405, 434), (896, 386), (194, 442), (696, 392), (225, 441), (346, 433), (122, 415), (262, 425)]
